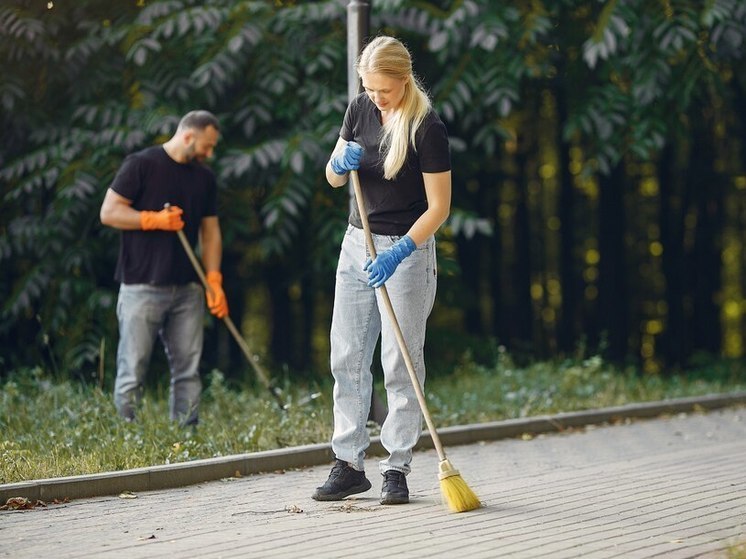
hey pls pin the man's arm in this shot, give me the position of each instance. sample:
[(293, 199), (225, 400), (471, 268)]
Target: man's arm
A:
[(212, 244), (117, 212), (212, 251)]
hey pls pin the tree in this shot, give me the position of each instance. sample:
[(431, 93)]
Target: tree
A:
[(127, 75), (596, 151)]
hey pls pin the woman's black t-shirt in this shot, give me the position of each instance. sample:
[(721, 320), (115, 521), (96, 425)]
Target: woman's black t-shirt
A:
[(150, 179), (393, 205)]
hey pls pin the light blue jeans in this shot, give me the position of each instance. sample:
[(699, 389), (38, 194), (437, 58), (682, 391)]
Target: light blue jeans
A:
[(175, 314), (358, 319)]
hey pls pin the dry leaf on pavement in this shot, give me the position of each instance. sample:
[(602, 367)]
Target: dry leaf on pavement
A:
[(21, 503)]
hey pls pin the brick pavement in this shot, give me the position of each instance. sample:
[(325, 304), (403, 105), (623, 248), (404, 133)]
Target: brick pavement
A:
[(672, 487)]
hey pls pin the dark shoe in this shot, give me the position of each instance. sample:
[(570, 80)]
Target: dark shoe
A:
[(394, 490), (344, 480)]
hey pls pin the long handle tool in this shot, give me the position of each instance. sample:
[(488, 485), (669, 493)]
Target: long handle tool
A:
[(258, 369), (456, 493)]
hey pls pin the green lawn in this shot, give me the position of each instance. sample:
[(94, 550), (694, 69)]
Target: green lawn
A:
[(54, 428)]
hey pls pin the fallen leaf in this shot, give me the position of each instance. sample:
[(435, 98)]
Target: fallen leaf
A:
[(127, 495), (527, 436), (22, 503)]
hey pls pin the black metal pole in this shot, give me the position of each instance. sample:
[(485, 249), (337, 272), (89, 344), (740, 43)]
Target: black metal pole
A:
[(358, 30)]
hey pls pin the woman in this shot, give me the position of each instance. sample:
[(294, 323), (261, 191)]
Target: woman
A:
[(399, 146)]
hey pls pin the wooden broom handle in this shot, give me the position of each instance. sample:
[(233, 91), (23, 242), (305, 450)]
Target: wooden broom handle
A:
[(260, 372), (395, 322)]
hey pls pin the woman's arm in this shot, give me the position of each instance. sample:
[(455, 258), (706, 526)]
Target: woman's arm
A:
[(438, 193), (333, 178)]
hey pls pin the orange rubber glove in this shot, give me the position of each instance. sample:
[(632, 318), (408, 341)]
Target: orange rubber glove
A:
[(216, 301), (166, 220)]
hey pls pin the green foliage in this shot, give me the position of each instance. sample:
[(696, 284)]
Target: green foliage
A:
[(88, 82), (657, 57), (127, 76)]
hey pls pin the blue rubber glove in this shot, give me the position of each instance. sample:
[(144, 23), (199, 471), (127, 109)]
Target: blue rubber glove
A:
[(384, 266), (348, 160)]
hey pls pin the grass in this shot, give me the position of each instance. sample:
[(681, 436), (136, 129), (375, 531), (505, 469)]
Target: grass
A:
[(52, 428), (736, 551)]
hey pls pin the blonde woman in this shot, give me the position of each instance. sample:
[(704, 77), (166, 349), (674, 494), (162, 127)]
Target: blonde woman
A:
[(399, 146)]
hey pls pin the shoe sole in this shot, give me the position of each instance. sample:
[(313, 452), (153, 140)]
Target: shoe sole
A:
[(394, 500), (362, 488)]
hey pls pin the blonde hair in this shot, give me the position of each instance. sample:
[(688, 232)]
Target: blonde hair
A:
[(388, 56)]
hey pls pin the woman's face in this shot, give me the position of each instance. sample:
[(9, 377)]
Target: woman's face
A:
[(386, 92)]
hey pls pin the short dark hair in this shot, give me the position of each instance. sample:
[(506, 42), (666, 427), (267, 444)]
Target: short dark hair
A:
[(199, 120)]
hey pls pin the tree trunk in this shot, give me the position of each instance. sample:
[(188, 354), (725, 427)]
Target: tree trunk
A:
[(613, 292), (568, 267), (469, 262), (308, 312), (499, 318), (708, 190), (738, 105), (674, 206), (281, 338), (521, 313)]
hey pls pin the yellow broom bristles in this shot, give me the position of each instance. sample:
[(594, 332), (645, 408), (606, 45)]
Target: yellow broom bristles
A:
[(456, 493)]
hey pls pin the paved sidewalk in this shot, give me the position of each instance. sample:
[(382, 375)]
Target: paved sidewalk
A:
[(671, 487)]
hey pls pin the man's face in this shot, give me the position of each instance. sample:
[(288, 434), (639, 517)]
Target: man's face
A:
[(200, 144)]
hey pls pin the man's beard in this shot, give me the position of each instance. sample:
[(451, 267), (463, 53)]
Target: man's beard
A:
[(191, 155)]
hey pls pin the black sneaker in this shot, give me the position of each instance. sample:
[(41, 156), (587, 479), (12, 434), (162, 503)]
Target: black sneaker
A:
[(344, 480), (394, 490)]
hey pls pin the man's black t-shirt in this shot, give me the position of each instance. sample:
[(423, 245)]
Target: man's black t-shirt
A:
[(393, 205), (150, 179)]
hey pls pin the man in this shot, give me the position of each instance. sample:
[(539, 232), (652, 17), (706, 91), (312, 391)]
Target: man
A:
[(158, 191)]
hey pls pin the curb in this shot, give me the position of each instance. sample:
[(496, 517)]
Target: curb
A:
[(208, 469)]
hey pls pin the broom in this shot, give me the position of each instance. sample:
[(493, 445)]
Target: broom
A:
[(456, 493), (258, 369)]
